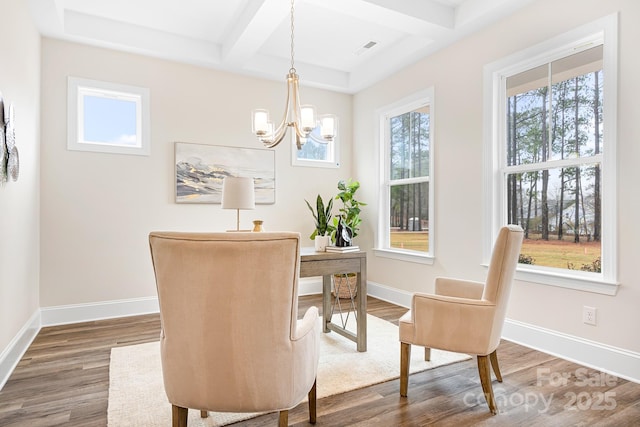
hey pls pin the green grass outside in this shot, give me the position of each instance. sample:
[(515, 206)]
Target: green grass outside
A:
[(561, 254), (413, 240), (550, 253)]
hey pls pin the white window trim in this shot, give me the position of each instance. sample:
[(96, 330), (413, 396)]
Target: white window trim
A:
[(381, 247), (332, 163), (605, 31), (76, 87)]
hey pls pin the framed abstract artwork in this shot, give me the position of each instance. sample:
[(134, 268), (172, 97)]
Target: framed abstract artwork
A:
[(200, 170)]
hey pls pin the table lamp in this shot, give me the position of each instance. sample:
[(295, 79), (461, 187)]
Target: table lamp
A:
[(238, 193)]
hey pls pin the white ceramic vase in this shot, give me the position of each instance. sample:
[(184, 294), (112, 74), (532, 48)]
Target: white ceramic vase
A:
[(321, 243)]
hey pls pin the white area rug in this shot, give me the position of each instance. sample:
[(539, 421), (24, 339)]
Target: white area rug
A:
[(137, 397)]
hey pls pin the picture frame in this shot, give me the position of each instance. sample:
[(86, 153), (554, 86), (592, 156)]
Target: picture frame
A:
[(200, 170)]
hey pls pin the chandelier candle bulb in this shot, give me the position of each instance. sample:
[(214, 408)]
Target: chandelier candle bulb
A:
[(260, 122), (308, 118), (328, 125)]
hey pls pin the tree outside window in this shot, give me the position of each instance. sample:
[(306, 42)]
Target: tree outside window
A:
[(553, 161), (407, 198), (409, 207)]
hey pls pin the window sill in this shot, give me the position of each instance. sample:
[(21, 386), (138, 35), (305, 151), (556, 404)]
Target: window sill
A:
[(578, 280), (315, 163), (404, 256)]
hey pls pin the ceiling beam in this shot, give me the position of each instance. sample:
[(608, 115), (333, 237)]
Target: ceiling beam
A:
[(104, 32), (387, 13), (474, 11), (428, 11), (254, 26), (48, 16)]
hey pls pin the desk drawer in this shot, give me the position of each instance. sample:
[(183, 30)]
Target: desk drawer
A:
[(334, 266)]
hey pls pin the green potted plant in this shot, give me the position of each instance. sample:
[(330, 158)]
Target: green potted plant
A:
[(348, 222), (346, 227), (322, 216)]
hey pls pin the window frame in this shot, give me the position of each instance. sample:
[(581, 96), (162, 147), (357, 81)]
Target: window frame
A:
[(77, 88), (331, 163), (382, 246), (603, 31)]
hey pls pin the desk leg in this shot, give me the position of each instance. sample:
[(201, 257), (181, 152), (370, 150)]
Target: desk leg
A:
[(326, 302), (362, 306)]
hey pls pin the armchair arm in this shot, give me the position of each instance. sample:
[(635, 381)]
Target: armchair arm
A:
[(456, 324), (306, 324), (459, 288), (305, 354)]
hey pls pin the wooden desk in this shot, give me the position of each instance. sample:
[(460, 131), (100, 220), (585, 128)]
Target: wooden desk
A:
[(326, 264)]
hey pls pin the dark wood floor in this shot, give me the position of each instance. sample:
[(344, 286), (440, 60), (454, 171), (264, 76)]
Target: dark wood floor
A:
[(63, 379)]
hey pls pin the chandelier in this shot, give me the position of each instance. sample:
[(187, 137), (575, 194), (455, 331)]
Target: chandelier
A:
[(302, 118)]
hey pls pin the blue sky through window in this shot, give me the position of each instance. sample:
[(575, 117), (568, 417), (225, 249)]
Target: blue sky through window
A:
[(109, 120)]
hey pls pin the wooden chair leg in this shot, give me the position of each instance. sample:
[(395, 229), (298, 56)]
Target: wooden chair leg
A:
[(204, 414), (283, 421), (485, 379), (427, 354), (179, 416), (312, 404), (405, 356), (494, 364)]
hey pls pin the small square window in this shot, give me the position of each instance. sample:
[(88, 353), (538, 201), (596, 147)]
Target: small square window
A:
[(314, 153), (107, 117)]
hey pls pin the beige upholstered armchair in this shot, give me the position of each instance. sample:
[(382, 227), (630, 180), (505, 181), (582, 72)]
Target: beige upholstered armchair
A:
[(464, 316), (230, 339)]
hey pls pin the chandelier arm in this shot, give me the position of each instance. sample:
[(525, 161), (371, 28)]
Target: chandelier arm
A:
[(296, 106), (281, 130), (298, 131), (277, 139), (299, 142), (319, 140)]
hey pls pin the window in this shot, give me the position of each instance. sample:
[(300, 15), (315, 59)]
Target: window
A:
[(552, 147), (107, 117), (405, 229), (314, 153)]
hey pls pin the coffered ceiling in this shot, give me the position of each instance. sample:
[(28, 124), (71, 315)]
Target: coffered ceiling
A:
[(342, 45)]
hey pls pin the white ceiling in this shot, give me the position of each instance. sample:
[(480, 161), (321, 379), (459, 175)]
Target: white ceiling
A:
[(253, 36)]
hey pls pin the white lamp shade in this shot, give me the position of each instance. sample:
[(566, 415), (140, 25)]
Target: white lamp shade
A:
[(308, 118), (328, 126), (238, 193), (260, 122)]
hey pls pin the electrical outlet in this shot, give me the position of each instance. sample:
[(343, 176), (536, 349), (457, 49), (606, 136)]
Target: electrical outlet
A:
[(589, 315)]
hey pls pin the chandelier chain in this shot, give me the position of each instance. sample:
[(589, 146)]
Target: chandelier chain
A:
[(293, 69)]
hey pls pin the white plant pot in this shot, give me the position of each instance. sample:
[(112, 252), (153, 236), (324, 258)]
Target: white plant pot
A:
[(322, 242)]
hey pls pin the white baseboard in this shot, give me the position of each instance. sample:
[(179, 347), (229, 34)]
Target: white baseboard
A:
[(310, 286), (313, 286), (389, 294), (76, 313), (12, 354), (622, 363), (612, 360)]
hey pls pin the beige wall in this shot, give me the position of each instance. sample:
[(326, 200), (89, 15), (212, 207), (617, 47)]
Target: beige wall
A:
[(456, 73), (97, 209), (19, 201)]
